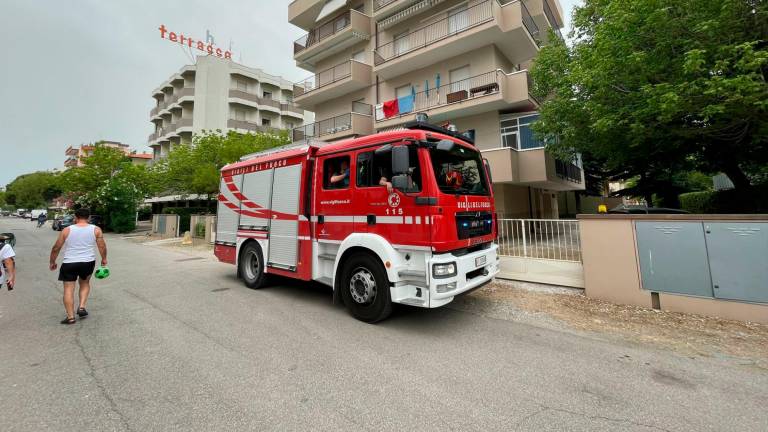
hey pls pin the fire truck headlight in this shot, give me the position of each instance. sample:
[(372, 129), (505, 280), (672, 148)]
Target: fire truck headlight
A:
[(444, 270)]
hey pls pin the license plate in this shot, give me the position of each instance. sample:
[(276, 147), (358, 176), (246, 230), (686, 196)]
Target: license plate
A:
[(480, 261)]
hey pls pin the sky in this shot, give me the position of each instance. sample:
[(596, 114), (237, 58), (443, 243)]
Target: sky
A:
[(74, 72)]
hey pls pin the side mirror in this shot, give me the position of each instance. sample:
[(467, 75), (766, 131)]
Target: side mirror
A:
[(445, 145), (400, 160), (400, 182), (488, 170)]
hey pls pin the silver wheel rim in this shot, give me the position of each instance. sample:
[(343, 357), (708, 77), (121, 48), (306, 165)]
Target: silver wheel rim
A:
[(252, 265), (362, 286)]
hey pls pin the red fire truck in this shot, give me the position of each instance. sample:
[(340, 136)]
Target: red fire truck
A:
[(405, 216)]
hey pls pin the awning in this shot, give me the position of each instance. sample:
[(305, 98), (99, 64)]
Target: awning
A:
[(330, 7), (419, 6)]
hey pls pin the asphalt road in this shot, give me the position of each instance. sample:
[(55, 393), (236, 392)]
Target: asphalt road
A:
[(176, 343)]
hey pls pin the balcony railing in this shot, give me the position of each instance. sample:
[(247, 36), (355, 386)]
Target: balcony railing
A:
[(474, 87), (453, 24), (568, 171), (551, 18), (291, 108), (378, 4), (320, 33), (332, 125), (324, 78), (250, 126), (234, 93)]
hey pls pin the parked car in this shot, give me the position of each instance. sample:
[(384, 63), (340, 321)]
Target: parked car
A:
[(63, 222), (28, 215), (641, 209)]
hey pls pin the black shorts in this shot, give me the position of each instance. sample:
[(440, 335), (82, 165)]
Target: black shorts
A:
[(69, 272)]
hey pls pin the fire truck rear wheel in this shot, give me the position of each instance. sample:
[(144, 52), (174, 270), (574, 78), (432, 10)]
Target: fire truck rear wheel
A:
[(251, 264), (365, 288)]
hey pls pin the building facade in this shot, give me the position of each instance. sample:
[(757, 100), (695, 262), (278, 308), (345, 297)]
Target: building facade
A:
[(217, 94), (74, 155), (376, 63)]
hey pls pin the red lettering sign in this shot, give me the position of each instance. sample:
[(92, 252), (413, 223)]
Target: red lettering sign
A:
[(180, 38)]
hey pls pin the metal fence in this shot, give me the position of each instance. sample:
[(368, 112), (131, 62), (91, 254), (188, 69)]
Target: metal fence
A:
[(551, 239), (319, 33), (324, 78)]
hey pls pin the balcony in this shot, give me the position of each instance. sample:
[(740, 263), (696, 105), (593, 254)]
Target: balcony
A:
[(356, 123), (510, 27), (302, 13), (491, 91), (534, 167), (336, 35), (72, 151), (71, 162), (250, 126), (250, 99), (333, 82), (291, 109), (546, 15)]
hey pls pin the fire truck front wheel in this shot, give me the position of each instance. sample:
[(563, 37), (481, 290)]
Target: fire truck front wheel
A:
[(365, 288), (251, 265)]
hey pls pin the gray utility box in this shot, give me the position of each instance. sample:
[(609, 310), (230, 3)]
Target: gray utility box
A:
[(727, 260)]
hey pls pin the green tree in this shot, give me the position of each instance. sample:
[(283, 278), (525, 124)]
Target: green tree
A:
[(34, 190), (195, 168), (109, 184), (650, 88)]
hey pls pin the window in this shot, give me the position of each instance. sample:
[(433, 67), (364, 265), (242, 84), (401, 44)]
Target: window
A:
[(458, 19), (336, 173), (403, 91), (401, 43), (459, 78), (240, 114), (516, 133), (289, 125), (241, 85), (374, 168), (266, 122), (267, 95), (359, 56)]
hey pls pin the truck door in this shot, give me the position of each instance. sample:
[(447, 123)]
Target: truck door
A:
[(398, 216), (284, 222)]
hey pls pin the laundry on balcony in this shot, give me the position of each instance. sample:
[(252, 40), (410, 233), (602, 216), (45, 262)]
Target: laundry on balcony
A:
[(379, 111), (391, 108), (405, 104)]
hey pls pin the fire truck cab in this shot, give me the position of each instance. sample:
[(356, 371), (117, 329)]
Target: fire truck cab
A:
[(405, 216)]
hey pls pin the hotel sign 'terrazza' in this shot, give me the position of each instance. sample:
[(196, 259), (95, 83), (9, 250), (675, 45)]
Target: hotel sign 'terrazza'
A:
[(187, 41)]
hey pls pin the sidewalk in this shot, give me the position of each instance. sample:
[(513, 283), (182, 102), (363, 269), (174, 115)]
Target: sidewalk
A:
[(569, 309)]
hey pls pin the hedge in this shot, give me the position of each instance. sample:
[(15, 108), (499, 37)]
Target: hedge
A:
[(753, 200)]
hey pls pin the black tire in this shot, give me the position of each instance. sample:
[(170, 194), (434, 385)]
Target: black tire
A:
[(365, 288), (251, 266)]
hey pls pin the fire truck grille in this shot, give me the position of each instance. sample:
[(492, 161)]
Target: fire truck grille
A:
[(473, 224)]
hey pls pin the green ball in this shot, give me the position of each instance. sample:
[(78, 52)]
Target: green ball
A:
[(102, 272)]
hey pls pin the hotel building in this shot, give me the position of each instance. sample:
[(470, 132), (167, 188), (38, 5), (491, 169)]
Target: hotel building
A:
[(374, 64)]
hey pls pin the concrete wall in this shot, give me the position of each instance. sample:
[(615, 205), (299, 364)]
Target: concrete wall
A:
[(612, 271)]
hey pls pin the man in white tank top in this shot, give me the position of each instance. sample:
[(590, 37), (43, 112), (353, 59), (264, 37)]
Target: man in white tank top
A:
[(79, 241)]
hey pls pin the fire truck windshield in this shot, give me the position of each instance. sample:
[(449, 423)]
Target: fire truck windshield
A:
[(459, 171)]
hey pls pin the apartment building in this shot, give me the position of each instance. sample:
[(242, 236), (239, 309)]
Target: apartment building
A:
[(374, 64), (218, 94), (74, 155)]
